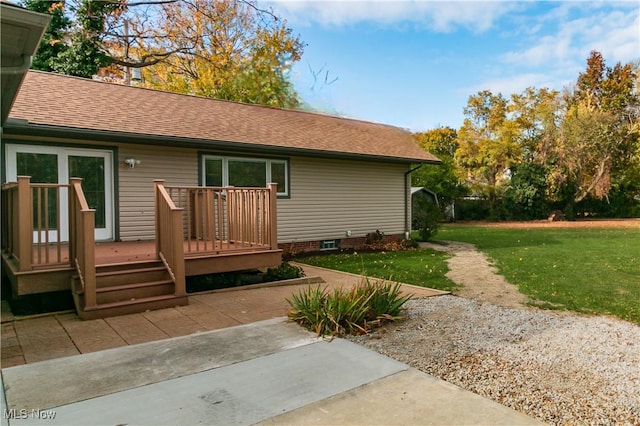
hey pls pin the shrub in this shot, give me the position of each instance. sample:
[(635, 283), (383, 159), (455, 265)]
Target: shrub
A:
[(410, 244), (373, 238), (525, 197), (427, 218), (285, 271), (352, 311), (468, 209)]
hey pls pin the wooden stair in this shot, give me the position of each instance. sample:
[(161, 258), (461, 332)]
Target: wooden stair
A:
[(127, 288)]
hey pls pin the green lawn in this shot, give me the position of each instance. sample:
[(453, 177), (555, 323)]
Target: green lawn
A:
[(425, 268), (591, 270)]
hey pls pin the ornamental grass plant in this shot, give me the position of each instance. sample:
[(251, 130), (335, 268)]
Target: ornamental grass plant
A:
[(341, 311)]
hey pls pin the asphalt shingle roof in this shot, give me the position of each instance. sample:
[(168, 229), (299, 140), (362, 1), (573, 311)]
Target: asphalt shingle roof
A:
[(76, 103)]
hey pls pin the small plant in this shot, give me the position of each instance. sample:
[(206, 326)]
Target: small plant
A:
[(353, 311), (373, 238), (383, 299), (308, 309), (285, 271), (410, 244)]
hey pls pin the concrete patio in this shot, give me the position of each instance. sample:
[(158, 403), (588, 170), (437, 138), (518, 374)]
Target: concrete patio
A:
[(229, 357), (45, 337)]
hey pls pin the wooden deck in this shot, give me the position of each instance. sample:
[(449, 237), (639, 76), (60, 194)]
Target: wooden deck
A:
[(55, 277), (107, 253), (198, 231)]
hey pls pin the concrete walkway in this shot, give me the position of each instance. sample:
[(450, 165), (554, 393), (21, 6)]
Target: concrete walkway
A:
[(269, 372), (228, 358)]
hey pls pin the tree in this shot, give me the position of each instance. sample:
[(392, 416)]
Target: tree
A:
[(525, 197), (443, 179), (599, 134), (235, 53), (536, 115), (73, 45), (52, 43), (487, 144), (229, 49)]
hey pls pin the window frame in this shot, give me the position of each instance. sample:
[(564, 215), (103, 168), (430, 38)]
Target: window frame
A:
[(268, 162)]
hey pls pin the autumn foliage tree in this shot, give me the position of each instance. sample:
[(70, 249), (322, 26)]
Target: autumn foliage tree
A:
[(229, 49), (487, 144), (599, 134), (443, 179), (235, 53), (540, 150)]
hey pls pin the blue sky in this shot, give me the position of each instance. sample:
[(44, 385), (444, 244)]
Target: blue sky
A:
[(414, 64)]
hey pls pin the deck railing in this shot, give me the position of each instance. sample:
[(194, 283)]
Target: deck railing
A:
[(82, 241), (227, 218), (32, 223), (169, 244)]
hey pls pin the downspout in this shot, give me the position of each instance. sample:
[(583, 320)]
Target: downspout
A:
[(407, 195)]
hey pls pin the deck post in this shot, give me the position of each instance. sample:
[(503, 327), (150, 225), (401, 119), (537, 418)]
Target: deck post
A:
[(156, 205), (82, 241), (73, 220), (180, 287), (273, 216), (88, 219), (25, 223)]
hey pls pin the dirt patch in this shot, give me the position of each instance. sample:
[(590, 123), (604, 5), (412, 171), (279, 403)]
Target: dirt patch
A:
[(478, 278)]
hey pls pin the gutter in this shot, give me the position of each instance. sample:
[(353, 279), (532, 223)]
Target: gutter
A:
[(18, 69), (407, 194)]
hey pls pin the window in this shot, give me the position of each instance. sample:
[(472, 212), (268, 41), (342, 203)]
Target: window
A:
[(329, 245), (245, 172)]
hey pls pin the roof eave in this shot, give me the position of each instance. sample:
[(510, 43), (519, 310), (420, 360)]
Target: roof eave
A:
[(24, 128), (22, 31)]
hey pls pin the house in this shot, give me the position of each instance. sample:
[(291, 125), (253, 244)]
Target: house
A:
[(131, 189)]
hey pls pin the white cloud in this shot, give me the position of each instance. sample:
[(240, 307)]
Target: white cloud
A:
[(440, 16), (566, 41), (512, 84), (562, 43), (616, 36)]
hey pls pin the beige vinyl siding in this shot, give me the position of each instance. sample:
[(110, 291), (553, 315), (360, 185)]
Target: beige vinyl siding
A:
[(331, 197), (176, 166), (327, 197)]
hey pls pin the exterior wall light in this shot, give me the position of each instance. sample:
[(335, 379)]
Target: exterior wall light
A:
[(132, 162)]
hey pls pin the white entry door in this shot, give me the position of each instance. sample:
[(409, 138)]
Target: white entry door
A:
[(46, 164)]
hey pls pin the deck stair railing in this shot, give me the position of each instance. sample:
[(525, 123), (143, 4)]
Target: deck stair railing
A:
[(82, 241), (226, 218), (169, 241)]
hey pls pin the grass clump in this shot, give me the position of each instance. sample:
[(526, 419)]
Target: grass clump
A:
[(347, 311)]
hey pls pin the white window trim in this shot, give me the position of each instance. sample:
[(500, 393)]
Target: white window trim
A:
[(63, 153), (268, 163)]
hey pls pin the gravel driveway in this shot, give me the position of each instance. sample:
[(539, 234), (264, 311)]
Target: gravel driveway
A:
[(559, 367)]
